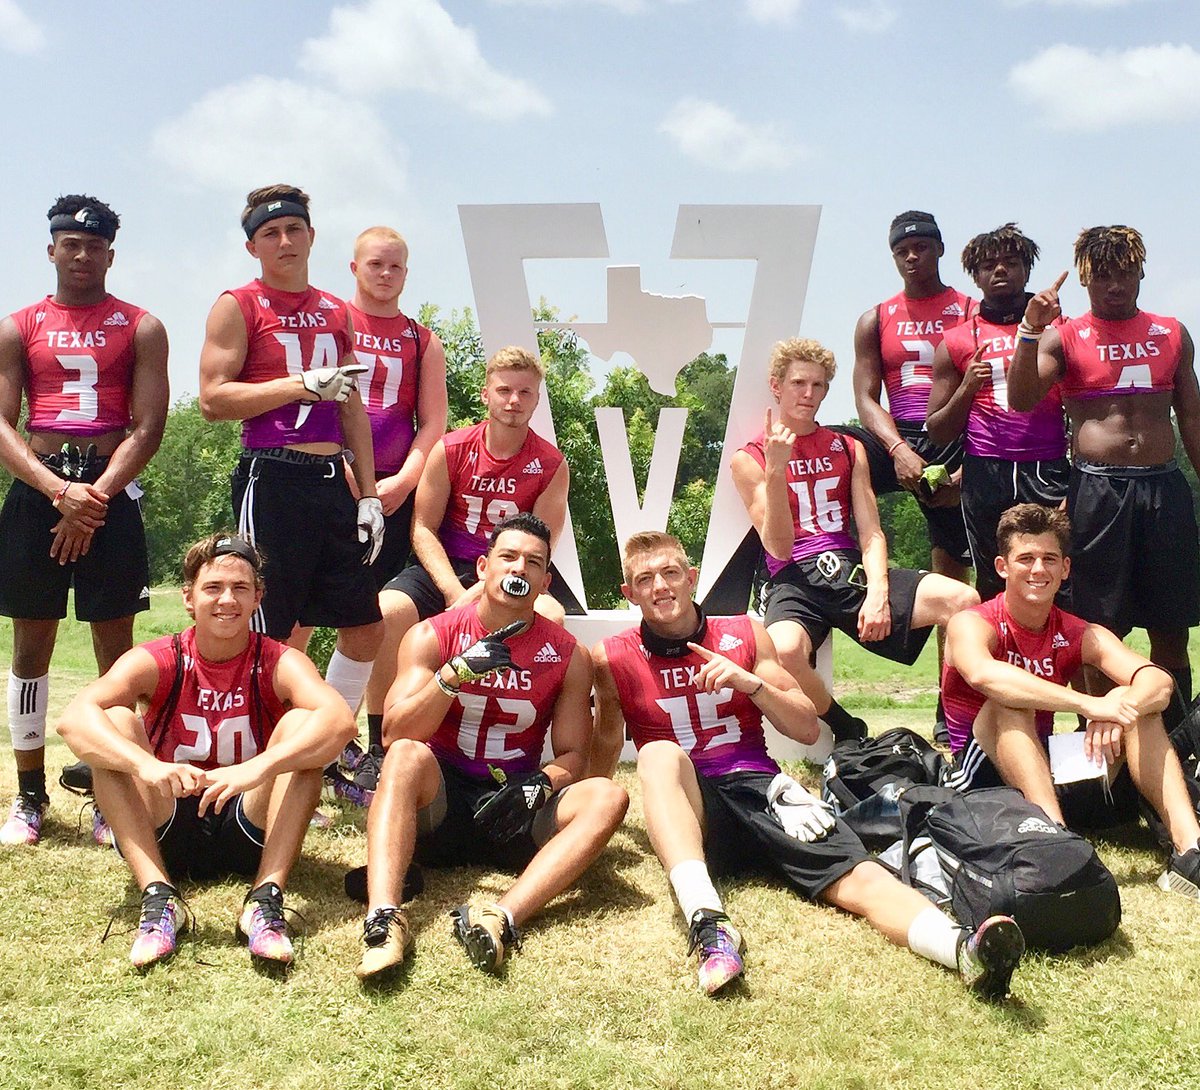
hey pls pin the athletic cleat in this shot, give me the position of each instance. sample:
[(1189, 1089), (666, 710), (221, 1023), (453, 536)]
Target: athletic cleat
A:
[(346, 788), (1182, 875), (163, 921), (102, 832), (77, 778), (388, 941), (352, 754), (24, 824), (988, 958), (366, 772), (486, 934), (720, 949), (262, 927)]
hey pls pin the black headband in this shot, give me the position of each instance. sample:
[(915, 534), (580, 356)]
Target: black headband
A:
[(87, 220), (669, 647), (237, 546), (273, 210), (913, 229)]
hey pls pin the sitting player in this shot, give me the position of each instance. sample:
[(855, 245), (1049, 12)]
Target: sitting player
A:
[(222, 770), (1007, 665), (801, 484), (477, 690), (693, 690)]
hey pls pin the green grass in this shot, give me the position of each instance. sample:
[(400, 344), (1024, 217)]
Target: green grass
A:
[(601, 996)]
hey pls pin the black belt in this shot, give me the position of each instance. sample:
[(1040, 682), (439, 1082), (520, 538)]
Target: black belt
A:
[(325, 466), (73, 464)]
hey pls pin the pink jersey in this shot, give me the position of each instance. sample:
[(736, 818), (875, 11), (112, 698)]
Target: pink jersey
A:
[(501, 720), (993, 429), (909, 332), (818, 478), (1138, 355), (722, 731), (288, 333), (484, 491), (224, 715), (1054, 653), (392, 348), (79, 365)]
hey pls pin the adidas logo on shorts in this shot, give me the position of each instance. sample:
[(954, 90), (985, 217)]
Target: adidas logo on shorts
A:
[(728, 642), (535, 466), (954, 309), (1157, 330), (145, 593), (325, 304), (547, 654), (116, 318)]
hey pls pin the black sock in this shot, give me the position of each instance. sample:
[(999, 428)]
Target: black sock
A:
[(374, 730), (844, 725), (32, 784), (1183, 684), (1181, 702)]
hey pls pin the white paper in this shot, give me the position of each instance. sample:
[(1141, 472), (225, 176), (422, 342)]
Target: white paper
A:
[(1068, 763)]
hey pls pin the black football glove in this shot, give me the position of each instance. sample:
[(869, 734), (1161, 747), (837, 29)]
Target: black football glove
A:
[(509, 812), (487, 655)]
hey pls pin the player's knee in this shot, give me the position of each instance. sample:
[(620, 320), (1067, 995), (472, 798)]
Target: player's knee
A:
[(659, 759), (361, 642), (398, 609), (405, 763), (861, 887), (602, 801)]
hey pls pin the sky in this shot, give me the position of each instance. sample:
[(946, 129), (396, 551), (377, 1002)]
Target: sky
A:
[(1058, 114)]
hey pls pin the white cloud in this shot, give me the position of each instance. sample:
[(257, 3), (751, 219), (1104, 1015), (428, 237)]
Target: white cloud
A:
[(1075, 88), (773, 11), (382, 45), (19, 33), (714, 136), (626, 7), (870, 18), (1072, 3)]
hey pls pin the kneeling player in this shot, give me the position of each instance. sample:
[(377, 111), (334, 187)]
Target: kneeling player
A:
[(1007, 665), (478, 687), (221, 772), (693, 690)]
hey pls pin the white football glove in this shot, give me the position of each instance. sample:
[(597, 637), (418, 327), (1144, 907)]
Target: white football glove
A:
[(370, 526), (798, 810), (332, 383)]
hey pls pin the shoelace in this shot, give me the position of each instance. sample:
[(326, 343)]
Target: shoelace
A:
[(377, 925), (270, 911), (28, 807), (152, 908), (706, 935)]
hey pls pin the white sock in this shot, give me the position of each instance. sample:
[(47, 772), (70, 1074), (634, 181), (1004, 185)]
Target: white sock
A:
[(27, 711), (933, 935), (693, 888), (349, 677)]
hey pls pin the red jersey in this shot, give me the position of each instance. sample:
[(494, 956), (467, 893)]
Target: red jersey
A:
[(484, 491), (1055, 653), (993, 429), (79, 365), (225, 711), (288, 333), (392, 348), (818, 477), (909, 331), (1137, 355), (722, 731), (502, 719)]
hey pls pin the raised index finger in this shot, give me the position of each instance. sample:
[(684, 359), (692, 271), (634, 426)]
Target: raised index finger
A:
[(702, 651), (1060, 281)]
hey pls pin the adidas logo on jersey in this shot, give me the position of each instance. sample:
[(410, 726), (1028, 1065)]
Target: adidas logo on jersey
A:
[(547, 654), (116, 318), (1157, 330), (954, 309), (325, 304), (1037, 825), (1060, 641), (837, 444), (728, 642), (535, 466)]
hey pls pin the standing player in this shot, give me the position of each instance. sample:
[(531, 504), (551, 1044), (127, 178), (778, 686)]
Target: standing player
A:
[(94, 373), (222, 771), (474, 478), (1007, 667), (801, 484), (466, 722), (1134, 550), (278, 355), (693, 690), (1009, 457)]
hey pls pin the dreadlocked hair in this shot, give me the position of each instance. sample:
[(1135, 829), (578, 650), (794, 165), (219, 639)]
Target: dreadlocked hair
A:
[(1101, 250), (990, 245)]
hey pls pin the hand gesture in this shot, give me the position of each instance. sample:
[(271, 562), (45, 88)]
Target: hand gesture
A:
[(977, 373), (332, 383), (718, 672), (778, 440), (909, 466), (875, 617), (1043, 308), (798, 810), (487, 655), (171, 780), (227, 783)]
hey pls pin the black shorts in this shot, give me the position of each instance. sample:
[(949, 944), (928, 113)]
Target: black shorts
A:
[(447, 835), (1135, 556), (202, 848), (945, 524), (740, 837), (802, 594), (305, 520), (990, 486), (418, 584), (111, 581), (397, 545)]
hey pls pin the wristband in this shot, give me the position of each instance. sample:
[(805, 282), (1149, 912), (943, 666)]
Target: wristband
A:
[(1027, 332), (59, 495), (892, 448), (449, 690), (761, 683)]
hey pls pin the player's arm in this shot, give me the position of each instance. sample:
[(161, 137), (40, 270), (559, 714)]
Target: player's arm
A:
[(429, 509), (571, 725), (868, 391), (431, 426), (764, 490), (1144, 685), (875, 616), (1186, 400), (952, 395), (416, 705), (356, 432), (608, 719), (1037, 364), (551, 504)]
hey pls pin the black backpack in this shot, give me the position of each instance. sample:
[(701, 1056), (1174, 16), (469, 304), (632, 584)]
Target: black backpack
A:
[(1002, 855)]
